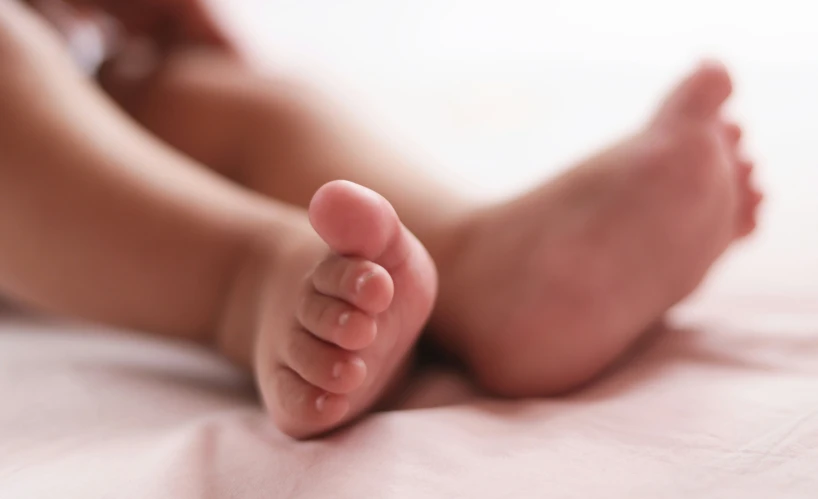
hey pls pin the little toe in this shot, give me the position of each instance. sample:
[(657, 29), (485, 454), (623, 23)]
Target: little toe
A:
[(746, 223), (362, 283), (335, 321), (300, 409)]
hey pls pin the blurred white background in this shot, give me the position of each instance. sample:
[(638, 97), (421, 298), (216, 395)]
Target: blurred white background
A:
[(496, 95)]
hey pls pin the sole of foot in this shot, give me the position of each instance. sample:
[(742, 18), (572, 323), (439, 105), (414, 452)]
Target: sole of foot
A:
[(358, 315), (553, 286)]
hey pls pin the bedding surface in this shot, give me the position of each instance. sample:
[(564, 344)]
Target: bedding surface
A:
[(722, 403)]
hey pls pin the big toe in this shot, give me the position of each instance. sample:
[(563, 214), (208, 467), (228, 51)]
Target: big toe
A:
[(700, 95), (356, 221)]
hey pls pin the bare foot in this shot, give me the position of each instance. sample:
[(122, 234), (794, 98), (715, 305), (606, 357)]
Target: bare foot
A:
[(329, 346), (555, 285)]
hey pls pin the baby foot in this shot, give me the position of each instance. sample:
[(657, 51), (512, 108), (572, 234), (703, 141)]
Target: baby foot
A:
[(358, 315), (550, 288)]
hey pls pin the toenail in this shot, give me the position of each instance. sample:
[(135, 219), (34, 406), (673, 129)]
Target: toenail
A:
[(343, 319), (337, 369), (321, 401), (362, 280)]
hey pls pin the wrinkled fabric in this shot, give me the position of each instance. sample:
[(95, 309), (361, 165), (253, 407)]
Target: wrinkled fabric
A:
[(722, 404)]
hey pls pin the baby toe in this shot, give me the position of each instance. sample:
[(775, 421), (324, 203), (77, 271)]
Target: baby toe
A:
[(362, 283), (745, 169), (322, 364), (336, 322), (299, 408), (732, 134), (749, 201)]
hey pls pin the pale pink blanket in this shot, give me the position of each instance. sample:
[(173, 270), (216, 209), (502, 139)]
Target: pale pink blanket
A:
[(723, 405)]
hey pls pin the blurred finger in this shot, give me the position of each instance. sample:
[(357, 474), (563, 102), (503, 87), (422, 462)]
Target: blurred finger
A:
[(167, 22)]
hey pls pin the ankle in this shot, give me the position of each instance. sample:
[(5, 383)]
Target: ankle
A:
[(450, 247)]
